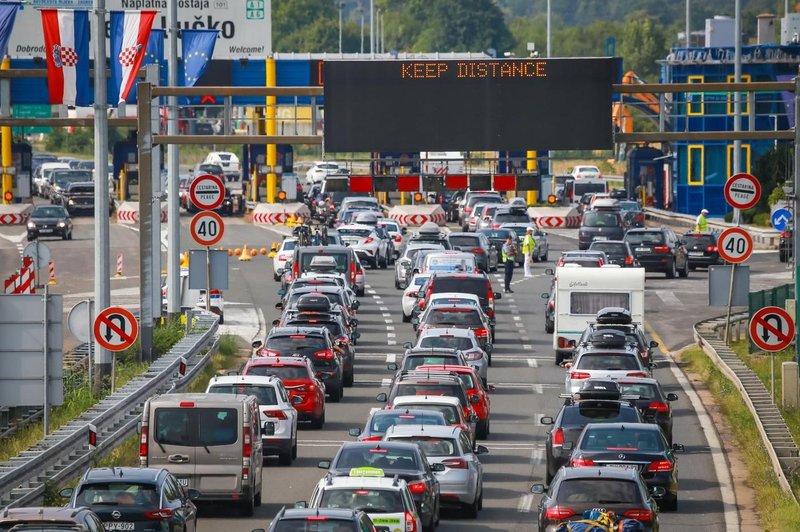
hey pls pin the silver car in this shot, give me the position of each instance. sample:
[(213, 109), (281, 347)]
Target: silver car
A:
[(461, 482), (462, 339), (539, 236), (405, 263)]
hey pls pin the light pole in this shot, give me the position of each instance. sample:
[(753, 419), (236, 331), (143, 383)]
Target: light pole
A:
[(340, 5), (548, 28), (688, 30), (372, 28)]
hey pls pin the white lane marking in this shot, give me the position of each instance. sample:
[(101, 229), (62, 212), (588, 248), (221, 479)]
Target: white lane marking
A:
[(371, 292), (384, 309), (527, 347), (524, 338), (379, 356), (516, 318), (537, 456), (668, 297), (519, 324), (533, 363), (391, 342), (387, 314), (525, 502), (391, 357), (391, 335), (387, 321), (386, 382), (389, 327)]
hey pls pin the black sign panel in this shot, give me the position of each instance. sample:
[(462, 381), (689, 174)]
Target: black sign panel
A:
[(463, 105)]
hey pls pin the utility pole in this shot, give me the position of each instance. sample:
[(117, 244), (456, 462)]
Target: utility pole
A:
[(102, 283), (737, 96), (173, 171), (340, 5), (548, 29), (372, 28), (688, 30)]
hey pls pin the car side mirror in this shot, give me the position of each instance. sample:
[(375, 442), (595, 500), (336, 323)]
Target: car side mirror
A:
[(481, 449), (356, 335), (550, 271), (408, 345), (279, 305), (415, 321), (403, 230), (355, 432), (497, 295), (653, 365), (547, 420), (282, 292), (568, 446), (537, 489), (269, 427), (474, 399), (193, 494), (545, 295), (275, 323), (402, 285), (653, 344), (356, 305), (297, 399), (658, 491), (301, 504), (381, 397), (67, 492), (672, 397), (488, 348), (256, 344), (437, 468), (139, 427), (324, 464), (677, 447)]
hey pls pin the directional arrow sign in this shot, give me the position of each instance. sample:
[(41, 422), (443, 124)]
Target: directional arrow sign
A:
[(742, 191), (115, 328), (735, 245), (771, 329), (780, 218)]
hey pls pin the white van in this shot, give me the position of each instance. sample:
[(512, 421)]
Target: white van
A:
[(581, 292)]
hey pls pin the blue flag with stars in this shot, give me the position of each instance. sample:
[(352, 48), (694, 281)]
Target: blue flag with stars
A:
[(155, 52), (198, 47)]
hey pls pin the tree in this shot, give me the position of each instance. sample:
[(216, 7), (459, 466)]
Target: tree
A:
[(459, 26), (641, 45), (296, 26)]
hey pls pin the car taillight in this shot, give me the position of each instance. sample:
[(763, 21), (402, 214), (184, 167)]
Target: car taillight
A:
[(661, 249), (711, 249), (563, 343), (482, 333), (579, 375), (163, 513), (639, 514), (325, 354), (558, 513), (659, 407), (637, 374), (369, 240), (352, 272), (495, 226), (277, 414), (472, 219), (398, 238), (372, 438), (143, 441), (629, 260), (558, 437), (416, 487), (345, 340), (296, 269), (639, 217), (551, 305), (581, 462), (660, 465), (600, 262), (467, 210), (785, 234), (316, 518), (283, 257), (455, 463), (478, 251), (474, 355), (421, 304), (411, 523), (247, 445)]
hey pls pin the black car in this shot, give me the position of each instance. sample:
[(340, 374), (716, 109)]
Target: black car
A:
[(785, 245), (49, 519), (320, 520), (617, 251), (61, 179), (478, 245), (577, 412), (653, 403), (659, 250), (451, 200), (49, 220), (407, 461), (550, 309), (132, 498), (78, 197), (600, 225), (577, 489), (428, 356), (701, 249), (497, 237), (641, 446), (467, 283)]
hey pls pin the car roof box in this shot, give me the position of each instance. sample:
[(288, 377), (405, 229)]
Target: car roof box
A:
[(608, 338), (614, 315), (313, 303), (429, 227), (600, 389)]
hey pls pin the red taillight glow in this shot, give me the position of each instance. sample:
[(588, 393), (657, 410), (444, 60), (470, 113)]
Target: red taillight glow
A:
[(186, 404), (563, 343), (660, 465), (416, 487), (637, 374), (325, 354), (558, 513), (411, 523), (370, 438), (711, 249), (316, 518), (277, 414), (478, 251), (581, 462), (629, 260), (482, 333), (369, 240), (659, 407), (455, 463), (352, 272), (640, 514), (579, 375), (143, 441), (558, 437), (247, 445), (661, 249), (163, 513)]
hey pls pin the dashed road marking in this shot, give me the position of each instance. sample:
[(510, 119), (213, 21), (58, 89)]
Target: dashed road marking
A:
[(525, 503), (532, 362), (527, 347)]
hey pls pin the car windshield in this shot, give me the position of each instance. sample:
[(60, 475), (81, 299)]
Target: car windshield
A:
[(380, 457), (598, 490), (210, 168), (647, 238), (450, 412), (642, 389), (465, 241), (454, 317), (446, 341), (372, 501), (62, 179), (381, 421), (420, 280), (600, 219), (498, 234), (303, 344), (341, 260), (629, 205), (610, 248), (511, 217), (433, 446), (285, 373), (594, 412), (333, 297), (413, 362), (699, 240), (608, 362), (49, 212), (118, 494), (624, 438), (264, 393)]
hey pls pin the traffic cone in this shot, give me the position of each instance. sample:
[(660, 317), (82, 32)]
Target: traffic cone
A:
[(52, 269), (119, 266), (273, 250), (245, 254), (263, 251), (254, 252)]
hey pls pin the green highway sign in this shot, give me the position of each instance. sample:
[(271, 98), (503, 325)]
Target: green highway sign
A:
[(26, 110)]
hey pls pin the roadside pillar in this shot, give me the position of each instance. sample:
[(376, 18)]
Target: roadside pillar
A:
[(272, 128), (531, 164), (7, 159)]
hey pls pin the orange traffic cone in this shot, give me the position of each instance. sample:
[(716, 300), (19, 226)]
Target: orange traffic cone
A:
[(245, 256)]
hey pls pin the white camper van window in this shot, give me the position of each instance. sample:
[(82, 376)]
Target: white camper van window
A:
[(592, 302)]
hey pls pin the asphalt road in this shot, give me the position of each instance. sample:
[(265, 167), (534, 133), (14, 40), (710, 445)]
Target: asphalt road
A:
[(527, 382)]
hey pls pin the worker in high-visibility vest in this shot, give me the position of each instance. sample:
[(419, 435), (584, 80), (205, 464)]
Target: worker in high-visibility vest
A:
[(701, 224), (528, 248), (509, 255)]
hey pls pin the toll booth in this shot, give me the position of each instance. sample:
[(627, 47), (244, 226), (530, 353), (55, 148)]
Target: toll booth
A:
[(396, 163), (126, 170), (254, 162), (22, 177), (645, 179)]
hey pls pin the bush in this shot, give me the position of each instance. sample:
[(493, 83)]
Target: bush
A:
[(762, 219)]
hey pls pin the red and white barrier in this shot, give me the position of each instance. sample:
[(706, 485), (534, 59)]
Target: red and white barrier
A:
[(278, 213), (128, 213), (15, 214), (418, 214), (51, 269), (119, 266), (23, 281), (555, 217)]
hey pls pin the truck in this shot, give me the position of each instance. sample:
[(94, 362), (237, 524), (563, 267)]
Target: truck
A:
[(442, 162)]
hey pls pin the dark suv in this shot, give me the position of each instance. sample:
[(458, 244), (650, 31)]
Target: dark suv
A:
[(600, 225), (132, 498), (702, 249), (468, 283), (78, 197), (40, 519), (659, 250)]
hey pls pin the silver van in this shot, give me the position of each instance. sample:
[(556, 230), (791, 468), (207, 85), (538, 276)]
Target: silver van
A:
[(210, 442)]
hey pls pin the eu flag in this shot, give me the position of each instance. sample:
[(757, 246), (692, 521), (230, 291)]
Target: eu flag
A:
[(155, 51), (8, 13), (198, 47)]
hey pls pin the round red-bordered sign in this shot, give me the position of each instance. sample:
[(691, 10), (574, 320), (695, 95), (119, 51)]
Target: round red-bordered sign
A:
[(742, 191), (735, 245), (771, 329), (207, 192), (115, 328), (207, 228)]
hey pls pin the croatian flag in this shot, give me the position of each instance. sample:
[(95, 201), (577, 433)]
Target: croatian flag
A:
[(130, 31), (66, 43)]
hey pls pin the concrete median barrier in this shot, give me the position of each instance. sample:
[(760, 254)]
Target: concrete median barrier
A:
[(15, 214), (555, 217), (417, 214), (279, 213), (127, 212)]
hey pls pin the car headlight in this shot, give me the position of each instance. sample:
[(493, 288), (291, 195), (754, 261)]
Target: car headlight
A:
[(72, 202), (31, 225), (62, 224)]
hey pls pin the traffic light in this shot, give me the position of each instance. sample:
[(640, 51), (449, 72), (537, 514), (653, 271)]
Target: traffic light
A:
[(8, 196)]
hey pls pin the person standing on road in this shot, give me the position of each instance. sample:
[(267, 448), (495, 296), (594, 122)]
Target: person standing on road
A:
[(701, 224), (528, 248), (509, 254)]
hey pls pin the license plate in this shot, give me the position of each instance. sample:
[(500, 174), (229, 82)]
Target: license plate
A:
[(623, 466), (601, 238), (45, 230), (696, 254), (118, 525), (642, 249), (183, 481)]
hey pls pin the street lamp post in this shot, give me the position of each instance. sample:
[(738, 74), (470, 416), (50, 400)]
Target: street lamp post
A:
[(340, 5)]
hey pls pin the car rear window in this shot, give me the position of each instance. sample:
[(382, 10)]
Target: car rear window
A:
[(433, 446), (333, 326), (699, 240), (289, 245), (413, 362), (447, 342), (600, 219), (118, 494), (371, 500), (643, 390), (382, 421), (593, 413), (384, 458), (610, 248), (454, 317), (362, 233), (333, 298), (465, 241), (342, 260), (598, 490), (196, 427), (648, 238), (285, 373), (511, 217), (266, 395), (473, 200), (421, 388), (302, 344), (466, 285), (627, 438), (312, 525), (449, 411), (608, 361)]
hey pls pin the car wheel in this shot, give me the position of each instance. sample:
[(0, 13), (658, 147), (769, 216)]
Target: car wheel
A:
[(221, 318), (559, 358), (360, 292), (548, 478), (70, 235), (318, 423), (471, 510), (669, 504), (406, 319), (348, 380), (549, 326), (670, 274), (336, 395), (782, 256), (247, 507), (544, 257), (692, 268), (285, 459), (294, 448), (65, 236), (384, 263), (276, 277), (482, 430), (258, 499), (685, 271)]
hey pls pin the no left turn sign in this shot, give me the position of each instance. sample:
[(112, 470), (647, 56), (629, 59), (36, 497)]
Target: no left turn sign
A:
[(771, 329), (207, 192), (115, 328)]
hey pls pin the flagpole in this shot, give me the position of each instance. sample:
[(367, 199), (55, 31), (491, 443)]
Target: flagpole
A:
[(102, 283), (173, 171)]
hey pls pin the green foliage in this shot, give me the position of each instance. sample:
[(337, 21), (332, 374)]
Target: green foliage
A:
[(80, 141), (224, 359), (772, 169), (776, 195), (641, 45), (762, 219), (164, 337)]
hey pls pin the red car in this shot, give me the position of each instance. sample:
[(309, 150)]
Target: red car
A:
[(299, 379), (477, 393)]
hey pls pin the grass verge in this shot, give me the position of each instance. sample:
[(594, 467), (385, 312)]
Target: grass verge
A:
[(776, 509)]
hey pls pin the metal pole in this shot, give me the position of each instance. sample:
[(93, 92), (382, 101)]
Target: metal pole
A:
[(173, 171), (361, 9), (7, 157), (102, 284), (796, 205), (46, 347), (383, 34), (208, 279), (151, 76), (91, 342), (688, 30), (737, 96), (145, 146), (548, 29), (772, 376), (372, 28), (340, 5)]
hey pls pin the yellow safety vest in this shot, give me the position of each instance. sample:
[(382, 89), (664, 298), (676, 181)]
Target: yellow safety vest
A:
[(528, 244), (702, 224)]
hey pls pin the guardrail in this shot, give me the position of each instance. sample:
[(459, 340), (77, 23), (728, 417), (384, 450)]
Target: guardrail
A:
[(66, 452), (766, 238), (781, 447)]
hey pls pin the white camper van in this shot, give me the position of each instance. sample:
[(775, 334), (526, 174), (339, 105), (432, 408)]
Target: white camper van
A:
[(581, 292)]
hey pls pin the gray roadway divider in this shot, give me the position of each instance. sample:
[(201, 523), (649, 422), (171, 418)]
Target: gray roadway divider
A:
[(763, 238), (65, 453), (781, 447)]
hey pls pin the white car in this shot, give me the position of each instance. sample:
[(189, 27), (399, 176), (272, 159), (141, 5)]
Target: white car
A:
[(282, 256), (396, 231), (462, 339), (41, 182), (604, 364), (448, 405), (322, 169), (405, 261), (410, 294), (278, 415), (366, 243), (583, 171), (227, 160)]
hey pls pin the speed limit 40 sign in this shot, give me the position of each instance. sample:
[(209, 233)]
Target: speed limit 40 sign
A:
[(735, 245), (207, 228)]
